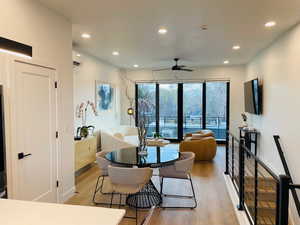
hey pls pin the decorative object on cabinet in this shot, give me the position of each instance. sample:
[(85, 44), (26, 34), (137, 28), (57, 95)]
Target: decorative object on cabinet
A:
[(104, 96), (250, 138), (81, 111), (84, 132), (85, 152), (78, 137), (245, 118)]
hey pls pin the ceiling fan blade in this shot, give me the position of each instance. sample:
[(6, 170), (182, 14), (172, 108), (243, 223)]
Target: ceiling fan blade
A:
[(187, 70), (161, 70), (181, 66)]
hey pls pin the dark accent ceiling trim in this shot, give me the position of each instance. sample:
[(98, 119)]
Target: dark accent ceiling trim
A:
[(15, 47)]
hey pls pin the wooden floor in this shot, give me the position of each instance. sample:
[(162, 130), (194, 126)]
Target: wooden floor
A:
[(214, 204)]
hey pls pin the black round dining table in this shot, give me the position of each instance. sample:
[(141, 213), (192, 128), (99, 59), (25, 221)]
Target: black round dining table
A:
[(156, 157)]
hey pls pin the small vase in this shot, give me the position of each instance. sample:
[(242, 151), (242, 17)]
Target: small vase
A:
[(142, 149), (244, 124)]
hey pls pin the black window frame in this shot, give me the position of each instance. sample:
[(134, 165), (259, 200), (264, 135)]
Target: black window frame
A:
[(180, 115)]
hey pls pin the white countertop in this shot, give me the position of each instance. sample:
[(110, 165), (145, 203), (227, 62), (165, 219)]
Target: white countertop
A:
[(14, 212)]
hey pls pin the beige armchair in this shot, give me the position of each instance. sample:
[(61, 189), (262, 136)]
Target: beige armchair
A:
[(201, 133), (202, 143)]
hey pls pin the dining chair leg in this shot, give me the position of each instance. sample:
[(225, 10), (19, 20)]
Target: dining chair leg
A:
[(120, 201), (101, 188), (111, 200), (96, 189), (194, 196), (161, 185), (183, 196), (136, 211)]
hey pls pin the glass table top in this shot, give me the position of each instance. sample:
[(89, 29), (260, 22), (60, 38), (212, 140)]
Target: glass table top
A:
[(156, 157)]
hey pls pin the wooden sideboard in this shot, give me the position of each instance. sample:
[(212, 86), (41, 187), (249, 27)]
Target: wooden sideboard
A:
[(85, 152)]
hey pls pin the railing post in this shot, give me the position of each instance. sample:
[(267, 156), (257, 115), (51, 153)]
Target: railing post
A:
[(241, 175), (227, 154), (283, 203)]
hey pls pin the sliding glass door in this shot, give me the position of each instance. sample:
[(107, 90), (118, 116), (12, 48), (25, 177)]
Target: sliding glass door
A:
[(192, 107), (168, 111), (216, 108), (146, 106), (173, 110)]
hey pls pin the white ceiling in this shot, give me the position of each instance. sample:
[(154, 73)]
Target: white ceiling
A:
[(130, 27)]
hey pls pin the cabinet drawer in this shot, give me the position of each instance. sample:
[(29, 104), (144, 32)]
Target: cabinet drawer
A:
[(85, 152)]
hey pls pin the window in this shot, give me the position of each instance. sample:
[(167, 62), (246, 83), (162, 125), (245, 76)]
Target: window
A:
[(216, 108), (168, 111), (192, 107), (176, 109), (147, 106)]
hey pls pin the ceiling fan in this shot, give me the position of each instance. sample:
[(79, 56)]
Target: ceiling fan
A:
[(176, 67)]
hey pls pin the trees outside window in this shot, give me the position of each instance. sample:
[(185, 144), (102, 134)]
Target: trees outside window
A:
[(192, 108)]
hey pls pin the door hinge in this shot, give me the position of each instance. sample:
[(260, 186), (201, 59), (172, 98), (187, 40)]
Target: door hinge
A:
[(55, 84), (56, 134), (57, 183)]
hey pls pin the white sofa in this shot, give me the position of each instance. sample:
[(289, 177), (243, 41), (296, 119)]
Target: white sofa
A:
[(118, 138)]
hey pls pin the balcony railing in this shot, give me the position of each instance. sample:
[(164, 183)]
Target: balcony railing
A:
[(168, 125), (262, 194)]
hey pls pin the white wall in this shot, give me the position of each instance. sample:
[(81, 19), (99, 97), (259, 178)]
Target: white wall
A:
[(85, 76), (278, 68), (50, 35), (236, 75)]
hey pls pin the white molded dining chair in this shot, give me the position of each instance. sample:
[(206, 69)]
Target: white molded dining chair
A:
[(126, 181), (180, 170)]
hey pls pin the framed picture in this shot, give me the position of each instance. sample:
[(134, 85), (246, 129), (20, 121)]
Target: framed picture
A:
[(105, 94)]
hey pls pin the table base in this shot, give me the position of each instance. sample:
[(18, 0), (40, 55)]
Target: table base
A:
[(146, 198)]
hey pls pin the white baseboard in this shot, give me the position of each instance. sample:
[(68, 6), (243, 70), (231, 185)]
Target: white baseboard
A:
[(241, 215), (68, 194)]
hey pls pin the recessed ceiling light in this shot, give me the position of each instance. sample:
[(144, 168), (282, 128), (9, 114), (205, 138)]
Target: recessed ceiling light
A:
[(270, 24), (78, 55), (86, 35), (162, 31), (236, 47), (226, 62), (135, 66), (116, 53)]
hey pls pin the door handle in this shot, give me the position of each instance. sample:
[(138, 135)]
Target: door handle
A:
[(21, 155)]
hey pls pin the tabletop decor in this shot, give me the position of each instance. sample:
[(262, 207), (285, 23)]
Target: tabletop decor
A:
[(144, 106), (142, 135)]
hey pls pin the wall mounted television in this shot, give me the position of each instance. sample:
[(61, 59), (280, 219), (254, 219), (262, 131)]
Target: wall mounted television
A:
[(253, 97)]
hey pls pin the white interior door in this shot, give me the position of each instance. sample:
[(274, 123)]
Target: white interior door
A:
[(34, 133)]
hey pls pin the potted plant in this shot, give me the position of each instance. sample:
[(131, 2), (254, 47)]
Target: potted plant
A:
[(156, 135)]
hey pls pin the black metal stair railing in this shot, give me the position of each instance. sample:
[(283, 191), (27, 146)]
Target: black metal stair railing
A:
[(287, 172), (263, 195)]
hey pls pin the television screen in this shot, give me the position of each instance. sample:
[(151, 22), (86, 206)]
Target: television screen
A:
[(252, 97)]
